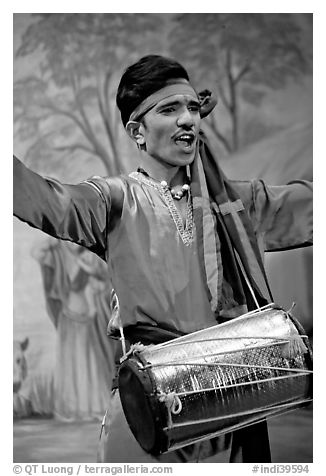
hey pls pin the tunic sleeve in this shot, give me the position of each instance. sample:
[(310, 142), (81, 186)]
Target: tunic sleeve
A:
[(282, 215), (77, 213)]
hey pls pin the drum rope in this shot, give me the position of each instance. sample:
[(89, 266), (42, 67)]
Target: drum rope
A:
[(138, 347), (227, 364), (289, 352), (277, 407), (241, 384), (243, 316), (282, 340), (173, 404)]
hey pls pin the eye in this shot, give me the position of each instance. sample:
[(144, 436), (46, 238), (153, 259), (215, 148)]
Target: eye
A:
[(168, 110), (194, 108)]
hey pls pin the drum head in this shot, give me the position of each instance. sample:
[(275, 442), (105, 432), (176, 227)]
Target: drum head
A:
[(144, 414)]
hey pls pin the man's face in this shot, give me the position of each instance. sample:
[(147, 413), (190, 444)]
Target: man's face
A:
[(171, 130)]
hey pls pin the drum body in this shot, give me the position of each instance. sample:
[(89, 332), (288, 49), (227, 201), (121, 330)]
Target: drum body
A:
[(216, 380)]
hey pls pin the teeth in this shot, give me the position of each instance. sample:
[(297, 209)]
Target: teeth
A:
[(186, 138)]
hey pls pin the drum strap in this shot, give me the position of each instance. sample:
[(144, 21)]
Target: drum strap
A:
[(244, 274)]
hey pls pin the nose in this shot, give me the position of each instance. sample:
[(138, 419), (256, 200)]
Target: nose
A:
[(186, 118)]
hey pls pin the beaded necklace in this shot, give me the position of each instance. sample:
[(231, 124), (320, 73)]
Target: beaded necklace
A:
[(185, 231), (176, 194)]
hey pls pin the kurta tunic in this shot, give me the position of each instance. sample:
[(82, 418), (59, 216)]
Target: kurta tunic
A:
[(156, 276)]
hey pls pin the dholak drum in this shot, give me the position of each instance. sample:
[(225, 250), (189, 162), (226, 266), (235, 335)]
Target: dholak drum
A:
[(216, 380)]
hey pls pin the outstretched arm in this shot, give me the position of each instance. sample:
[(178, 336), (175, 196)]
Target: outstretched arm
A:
[(282, 215), (77, 213)]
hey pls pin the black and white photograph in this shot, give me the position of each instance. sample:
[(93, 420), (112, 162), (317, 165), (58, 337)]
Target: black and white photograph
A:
[(162, 238)]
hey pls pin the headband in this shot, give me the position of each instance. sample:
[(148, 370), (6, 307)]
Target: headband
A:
[(151, 101)]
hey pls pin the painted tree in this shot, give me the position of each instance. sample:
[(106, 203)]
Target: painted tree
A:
[(68, 105), (245, 56)]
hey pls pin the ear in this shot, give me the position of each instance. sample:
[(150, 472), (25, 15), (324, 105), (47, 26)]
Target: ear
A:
[(135, 131)]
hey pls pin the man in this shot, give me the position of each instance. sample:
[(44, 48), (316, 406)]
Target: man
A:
[(184, 245)]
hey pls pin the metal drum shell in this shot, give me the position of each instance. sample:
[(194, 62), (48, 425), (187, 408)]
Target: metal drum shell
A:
[(154, 431)]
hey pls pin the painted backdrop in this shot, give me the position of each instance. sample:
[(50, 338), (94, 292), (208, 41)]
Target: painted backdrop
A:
[(66, 125)]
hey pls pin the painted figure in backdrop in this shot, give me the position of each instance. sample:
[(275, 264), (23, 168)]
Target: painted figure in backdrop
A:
[(77, 291), (184, 244)]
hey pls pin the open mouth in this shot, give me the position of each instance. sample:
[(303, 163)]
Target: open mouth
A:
[(185, 140)]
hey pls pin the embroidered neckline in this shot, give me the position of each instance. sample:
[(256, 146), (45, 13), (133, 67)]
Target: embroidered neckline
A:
[(186, 231)]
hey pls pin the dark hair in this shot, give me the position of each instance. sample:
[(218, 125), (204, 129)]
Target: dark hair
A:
[(143, 78)]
